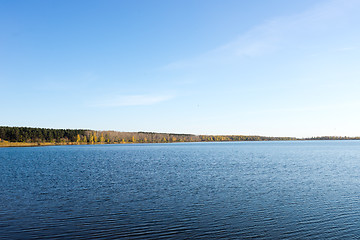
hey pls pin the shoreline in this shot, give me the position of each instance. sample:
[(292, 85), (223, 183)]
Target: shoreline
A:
[(21, 144)]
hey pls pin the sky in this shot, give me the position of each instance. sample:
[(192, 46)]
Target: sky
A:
[(270, 68)]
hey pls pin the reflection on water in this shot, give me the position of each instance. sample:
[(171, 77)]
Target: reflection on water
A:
[(265, 190)]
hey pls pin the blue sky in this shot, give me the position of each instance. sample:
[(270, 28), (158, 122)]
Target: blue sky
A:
[(275, 68)]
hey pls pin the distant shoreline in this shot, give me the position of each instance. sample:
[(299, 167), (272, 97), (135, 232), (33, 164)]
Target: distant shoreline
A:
[(45, 144), (22, 144), (34, 137)]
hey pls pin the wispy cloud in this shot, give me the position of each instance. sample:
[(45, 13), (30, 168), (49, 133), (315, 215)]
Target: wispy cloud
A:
[(132, 100), (344, 49), (282, 32)]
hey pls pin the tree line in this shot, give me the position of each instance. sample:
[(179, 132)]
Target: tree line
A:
[(332, 138), (82, 136), (27, 134)]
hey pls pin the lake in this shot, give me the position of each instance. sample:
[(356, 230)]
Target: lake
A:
[(231, 190)]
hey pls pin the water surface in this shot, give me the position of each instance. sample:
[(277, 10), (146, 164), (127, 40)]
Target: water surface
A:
[(238, 190)]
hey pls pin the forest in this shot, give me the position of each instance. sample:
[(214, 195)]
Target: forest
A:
[(82, 136)]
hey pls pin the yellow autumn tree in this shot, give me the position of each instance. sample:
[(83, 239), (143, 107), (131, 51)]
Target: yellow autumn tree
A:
[(102, 139), (95, 137)]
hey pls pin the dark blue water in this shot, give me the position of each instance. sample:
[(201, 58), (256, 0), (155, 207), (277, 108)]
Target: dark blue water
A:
[(240, 190)]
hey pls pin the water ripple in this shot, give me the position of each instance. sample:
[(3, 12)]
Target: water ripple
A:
[(262, 190)]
